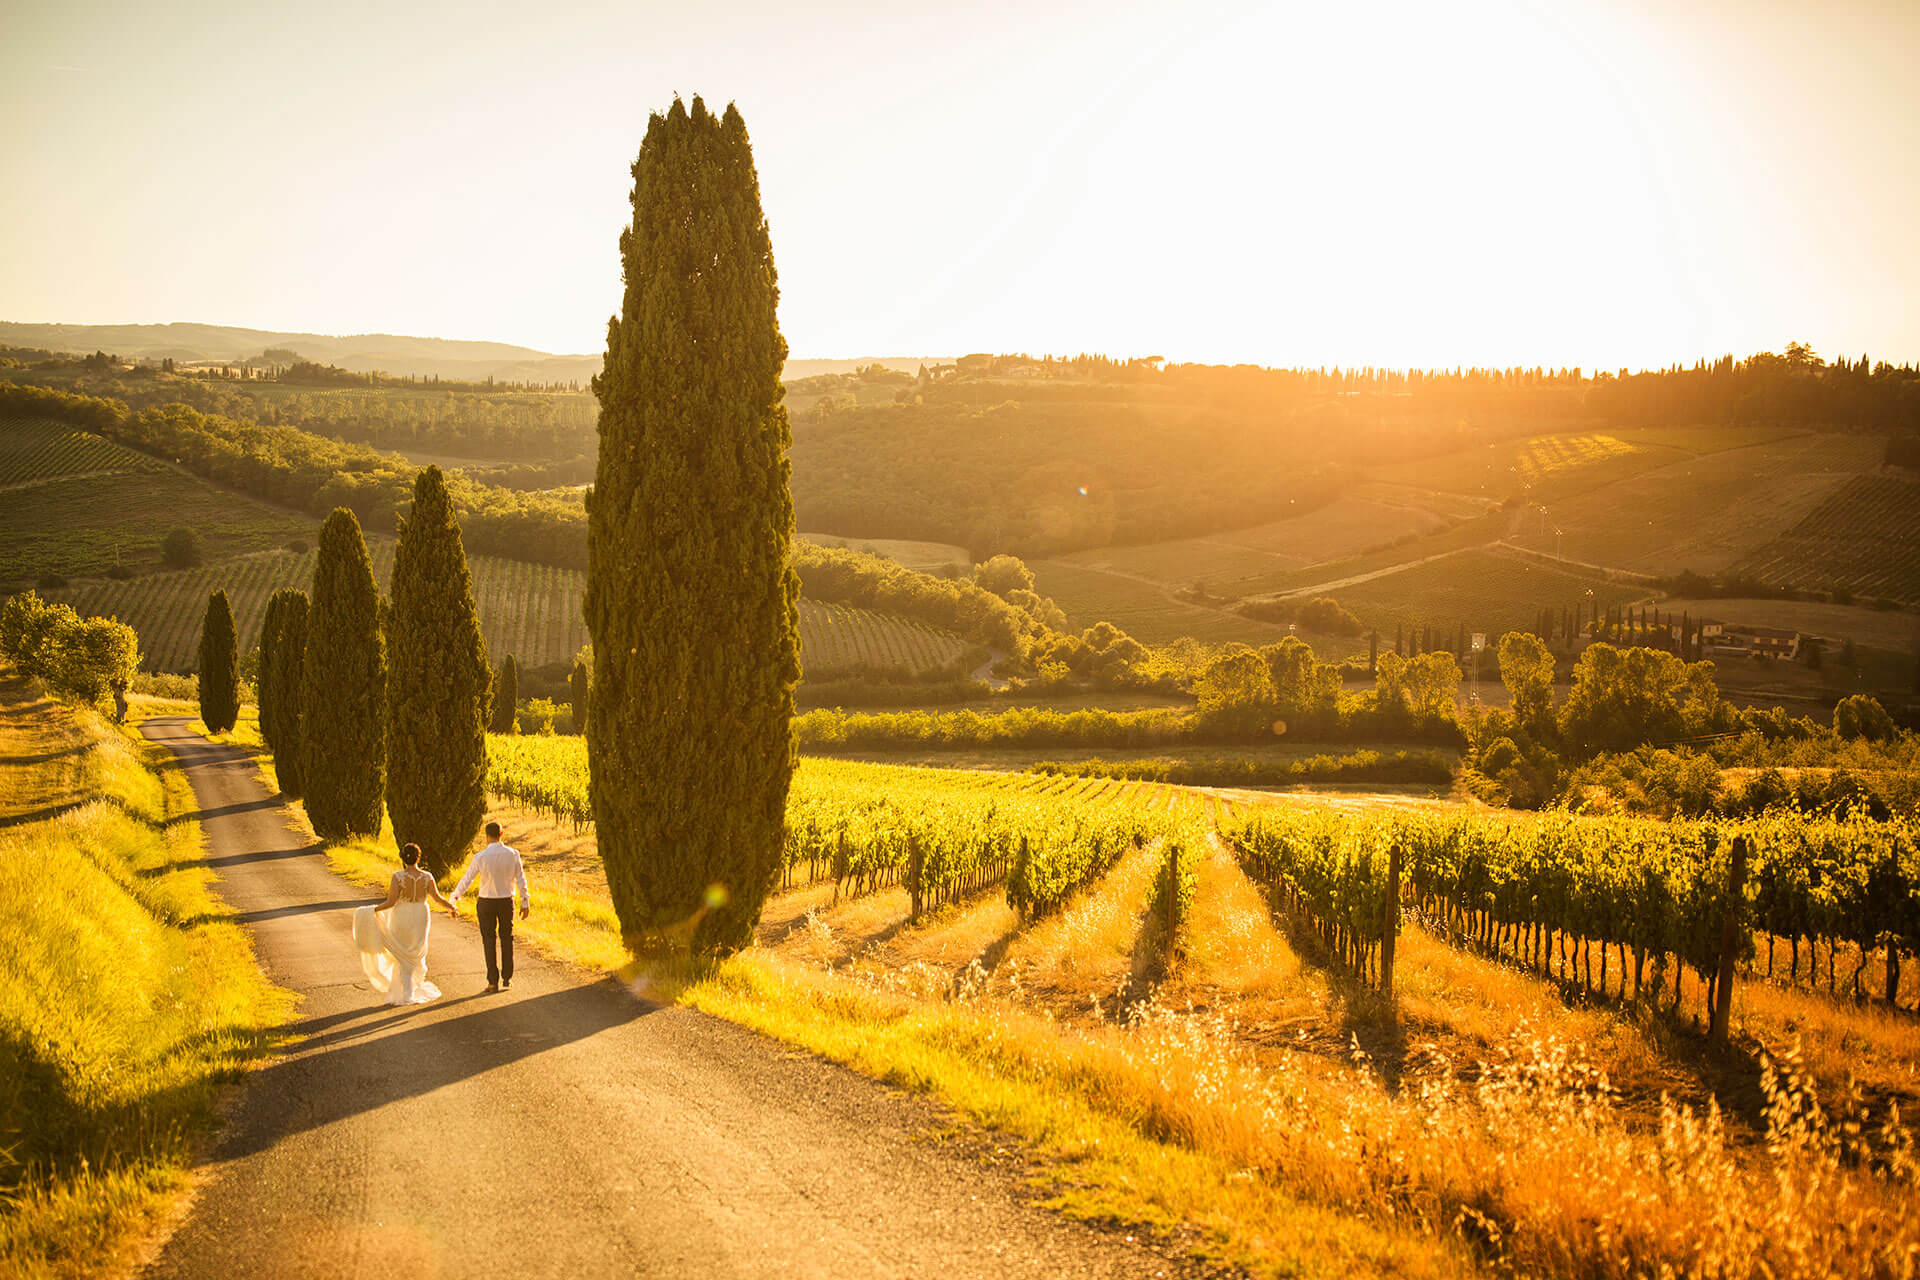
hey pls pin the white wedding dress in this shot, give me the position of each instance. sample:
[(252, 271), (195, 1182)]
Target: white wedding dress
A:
[(393, 943)]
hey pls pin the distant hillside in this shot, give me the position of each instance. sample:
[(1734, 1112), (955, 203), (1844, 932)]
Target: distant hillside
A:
[(797, 369), (362, 352), (530, 611)]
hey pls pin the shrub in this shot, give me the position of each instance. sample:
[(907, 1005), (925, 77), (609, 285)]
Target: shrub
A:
[(1499, 756), (1860, 716), (537, 715), (184, 688), (180, 549)]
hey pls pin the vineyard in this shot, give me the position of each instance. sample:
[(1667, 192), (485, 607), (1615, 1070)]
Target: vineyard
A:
[(1865, 538), (78, 505), (1524, 467), (940, 835), (1610, 907), (1554, 893), (40, 450), (531, 611)]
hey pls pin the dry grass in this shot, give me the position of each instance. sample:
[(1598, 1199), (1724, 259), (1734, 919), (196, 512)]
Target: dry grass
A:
[(1486, 1119), (128, 994)]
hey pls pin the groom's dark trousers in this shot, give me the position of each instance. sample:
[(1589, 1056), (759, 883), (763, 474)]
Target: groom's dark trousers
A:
[(496, 920)]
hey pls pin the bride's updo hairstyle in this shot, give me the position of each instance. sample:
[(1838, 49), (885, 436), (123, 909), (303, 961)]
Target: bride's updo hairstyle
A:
[(410, 854)]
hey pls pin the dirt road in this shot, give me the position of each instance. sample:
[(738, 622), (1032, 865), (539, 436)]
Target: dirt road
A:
[(562, 1128)]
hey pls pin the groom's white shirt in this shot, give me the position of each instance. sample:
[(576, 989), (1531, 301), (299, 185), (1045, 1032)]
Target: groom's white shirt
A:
[(498, 869)]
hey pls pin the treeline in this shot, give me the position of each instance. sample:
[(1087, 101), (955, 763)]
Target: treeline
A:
[(1430, 767), (310, 473), (1022, 727), (1795, 388)]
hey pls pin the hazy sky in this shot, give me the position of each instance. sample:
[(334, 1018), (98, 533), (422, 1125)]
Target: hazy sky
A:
[(1412, 183)]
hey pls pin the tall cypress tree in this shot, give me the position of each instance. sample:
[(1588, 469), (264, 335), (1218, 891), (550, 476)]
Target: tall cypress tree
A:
[(219, 666), (343, 688), (263, 690), (690, 602), (580, 689), (438, 684), (283, 652), (506, 697)]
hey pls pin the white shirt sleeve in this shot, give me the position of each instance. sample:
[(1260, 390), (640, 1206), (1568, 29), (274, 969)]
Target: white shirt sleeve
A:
[(473, 865), (520, 877)]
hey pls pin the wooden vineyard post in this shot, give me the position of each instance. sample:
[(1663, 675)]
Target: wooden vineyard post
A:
[(1391, 932), (1170, 896), (915, 863), (1730, 926)]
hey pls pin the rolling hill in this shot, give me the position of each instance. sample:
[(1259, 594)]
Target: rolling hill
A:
[(73, 504), (399, 354)]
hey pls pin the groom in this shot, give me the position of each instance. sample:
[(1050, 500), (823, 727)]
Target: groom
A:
[(499, 871)]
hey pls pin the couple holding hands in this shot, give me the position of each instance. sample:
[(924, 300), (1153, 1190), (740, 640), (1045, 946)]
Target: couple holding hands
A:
[(392, 936)]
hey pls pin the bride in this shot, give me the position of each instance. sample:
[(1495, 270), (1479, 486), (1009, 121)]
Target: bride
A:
[(392, 937)]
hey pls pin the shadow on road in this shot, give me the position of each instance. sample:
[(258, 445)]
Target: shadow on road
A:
[(363, 1066), (201, 815), (300, 909), (238, 859)]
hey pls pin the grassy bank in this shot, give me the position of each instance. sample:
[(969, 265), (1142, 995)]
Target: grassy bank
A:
[(129, 994)]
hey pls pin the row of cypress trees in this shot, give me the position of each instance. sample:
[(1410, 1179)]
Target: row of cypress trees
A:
[(370, 706), (283, 651)]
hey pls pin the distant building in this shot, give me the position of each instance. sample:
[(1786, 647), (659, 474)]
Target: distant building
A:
[(1734, 639)]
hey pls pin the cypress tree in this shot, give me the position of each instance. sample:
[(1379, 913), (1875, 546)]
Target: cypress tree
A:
[(263, 693), (219, 666), (690, 603), (580, 686), (283, 651), (343, 688), (506, 697), (438, 684)]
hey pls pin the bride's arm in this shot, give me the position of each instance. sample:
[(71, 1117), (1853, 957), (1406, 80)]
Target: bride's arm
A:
[(393, 894), (438, 897)]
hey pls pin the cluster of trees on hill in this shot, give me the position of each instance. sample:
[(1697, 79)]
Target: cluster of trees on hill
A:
[(1654, 726), (296, 469), (86, 660)]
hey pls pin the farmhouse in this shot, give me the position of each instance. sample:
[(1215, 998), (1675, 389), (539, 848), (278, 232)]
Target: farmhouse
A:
[(1731, 639)]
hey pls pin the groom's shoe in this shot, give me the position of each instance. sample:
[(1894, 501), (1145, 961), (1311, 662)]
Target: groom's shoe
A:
[(492, 987), (505, 983)]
